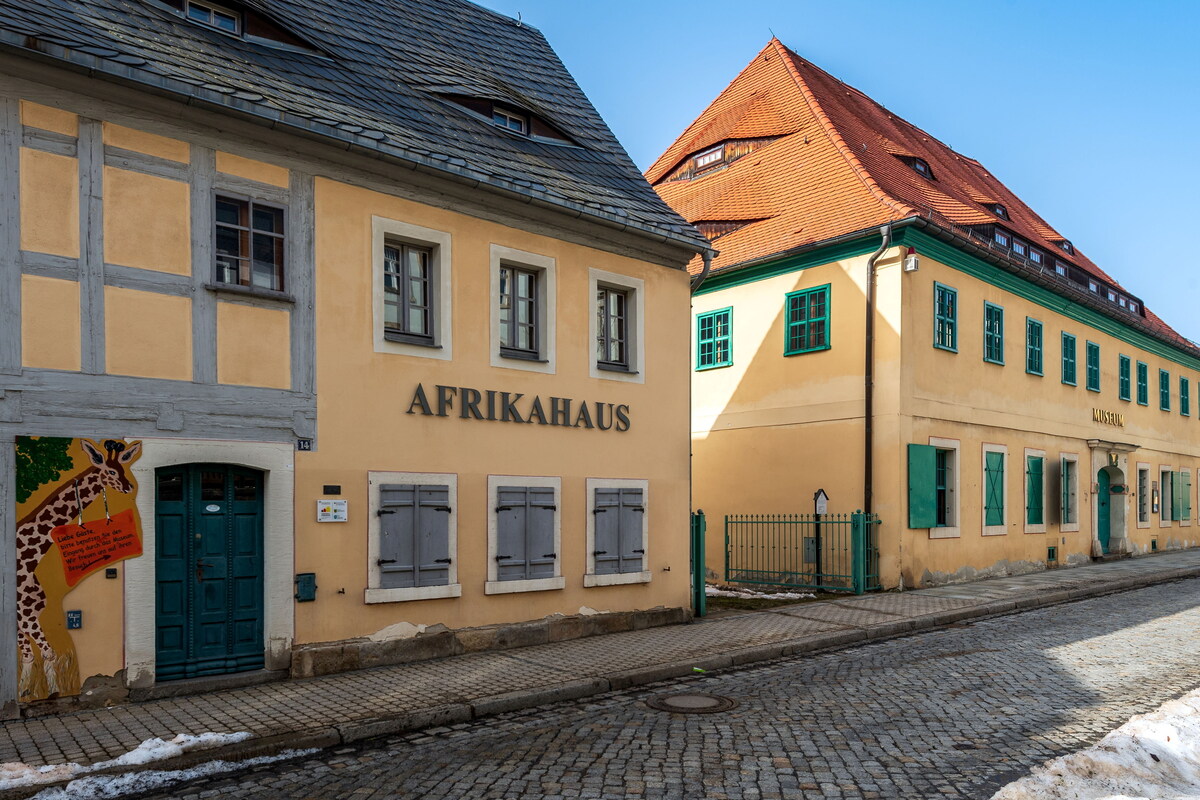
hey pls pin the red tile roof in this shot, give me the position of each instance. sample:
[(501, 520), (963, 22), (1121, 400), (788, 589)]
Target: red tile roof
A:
[(839, 163)]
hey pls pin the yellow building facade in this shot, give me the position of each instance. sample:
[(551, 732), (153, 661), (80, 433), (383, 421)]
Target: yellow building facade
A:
[(276, 405), (888, 323)]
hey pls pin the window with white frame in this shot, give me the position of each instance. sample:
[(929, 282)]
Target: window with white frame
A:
[(945, 483), (413, 537), (1068, 492), (1143, 495), (1165, 480), (617, 326), (524, 534), (617, 532), (995, 489), (214, 16), (523, 310), (411, 290)]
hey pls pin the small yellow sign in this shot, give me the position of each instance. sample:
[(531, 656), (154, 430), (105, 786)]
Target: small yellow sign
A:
[(1108, 417)]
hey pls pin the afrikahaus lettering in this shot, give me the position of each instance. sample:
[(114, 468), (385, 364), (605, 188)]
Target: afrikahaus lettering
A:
[(496, 406)]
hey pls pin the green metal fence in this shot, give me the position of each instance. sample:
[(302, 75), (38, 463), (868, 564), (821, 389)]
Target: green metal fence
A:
[(829, 552)]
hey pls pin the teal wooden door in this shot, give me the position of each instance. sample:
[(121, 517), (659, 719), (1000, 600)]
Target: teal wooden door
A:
[(1103, 518), (209, 563)]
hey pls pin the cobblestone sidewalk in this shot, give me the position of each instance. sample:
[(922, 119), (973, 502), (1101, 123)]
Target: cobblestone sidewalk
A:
[(352, 706)]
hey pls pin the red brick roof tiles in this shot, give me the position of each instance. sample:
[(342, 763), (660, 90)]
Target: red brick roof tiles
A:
[(841, 164)]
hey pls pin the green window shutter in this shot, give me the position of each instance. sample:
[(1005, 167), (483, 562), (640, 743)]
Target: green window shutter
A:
[(1176, 495), (1064, 491), (1164, 390), (1093, 367), (1143, 386), (1033, 346), (945, 314), (1068, 359), (922, 486), (1185, 396), (993, 333), (1034, 511), (993, 488), (1185, 504), (807, 321), (1123, 388)]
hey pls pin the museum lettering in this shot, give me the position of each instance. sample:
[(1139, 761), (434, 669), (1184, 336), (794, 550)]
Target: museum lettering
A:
[(496, 406)]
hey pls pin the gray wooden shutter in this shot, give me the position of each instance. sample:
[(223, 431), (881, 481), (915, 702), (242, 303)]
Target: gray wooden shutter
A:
[(632, 513), (397, 556), (539, 532), (511, 554), (607, 552), (1054, 485), (433, 536)]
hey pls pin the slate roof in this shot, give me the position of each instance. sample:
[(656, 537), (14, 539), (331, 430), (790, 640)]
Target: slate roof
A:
[(834, 165), (377, 83)]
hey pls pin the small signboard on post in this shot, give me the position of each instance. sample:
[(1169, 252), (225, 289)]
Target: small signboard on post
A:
[(821, 500)]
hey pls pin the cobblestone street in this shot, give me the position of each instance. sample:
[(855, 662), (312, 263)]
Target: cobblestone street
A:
[(953, 713)]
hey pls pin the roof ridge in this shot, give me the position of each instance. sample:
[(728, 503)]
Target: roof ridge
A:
[(835, 135)]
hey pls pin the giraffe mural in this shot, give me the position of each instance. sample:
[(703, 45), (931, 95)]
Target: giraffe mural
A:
[(68, 527)]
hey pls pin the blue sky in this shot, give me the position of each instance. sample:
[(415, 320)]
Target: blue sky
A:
[(1089, 111)]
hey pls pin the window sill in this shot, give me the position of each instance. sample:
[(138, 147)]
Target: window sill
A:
[(1069, 527), (1036, 528), (616, 579), (516, 356), (1035, 374), (809, 350), (945, 348), (945, 532), (995, 530), (714, 366), (623, 370), (415, 593), (408, 338), (993, 361), (535, 585), (249, 291)]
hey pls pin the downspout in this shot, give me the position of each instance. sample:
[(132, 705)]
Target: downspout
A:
[(869, 377), (707, 255)]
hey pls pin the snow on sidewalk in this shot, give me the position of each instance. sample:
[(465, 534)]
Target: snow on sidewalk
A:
[(712, 591), (1154, 756)]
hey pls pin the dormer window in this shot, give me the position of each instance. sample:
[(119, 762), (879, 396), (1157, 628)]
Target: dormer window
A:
[(1018, 246), (214, 16), (1066, 247), (919, 166), (1035, 255), (1060, 268), (1001, 237), (997, 209), (510, 120), (711, 156), (1093, 287)]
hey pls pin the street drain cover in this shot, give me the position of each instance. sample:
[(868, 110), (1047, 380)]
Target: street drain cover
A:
[(692, 703)]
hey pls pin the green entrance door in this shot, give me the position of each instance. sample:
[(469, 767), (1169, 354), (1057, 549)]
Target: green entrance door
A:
[(1103, 518), (209, 563)]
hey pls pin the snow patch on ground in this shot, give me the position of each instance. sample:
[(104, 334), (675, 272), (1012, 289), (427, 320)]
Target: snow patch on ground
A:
[(100, 787), (16, 774), (1154, 756), (712, 591)]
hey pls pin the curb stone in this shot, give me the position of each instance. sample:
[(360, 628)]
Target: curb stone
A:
[(403, 721)]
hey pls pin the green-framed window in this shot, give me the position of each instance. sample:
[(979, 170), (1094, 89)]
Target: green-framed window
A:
[(945, 318), (1164, 390), (993, 488), (1143, 379), (993, 333), (1123, 378), (807, 317), (1093, 367), (1033, 346), (1035, 511), (714, 339), (1185, 396), (1068, 359)]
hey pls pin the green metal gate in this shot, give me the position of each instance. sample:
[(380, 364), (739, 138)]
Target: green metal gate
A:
[(828, 552)]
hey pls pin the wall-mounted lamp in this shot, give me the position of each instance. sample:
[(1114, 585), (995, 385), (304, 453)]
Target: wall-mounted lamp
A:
[(912, 262)]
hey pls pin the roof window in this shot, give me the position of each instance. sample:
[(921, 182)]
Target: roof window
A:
[(714, 155), (1066, 246), (919, 166), (997, 209), (510, 120), (214, 16)]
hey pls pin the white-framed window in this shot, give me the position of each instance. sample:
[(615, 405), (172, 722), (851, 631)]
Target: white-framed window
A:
[(1144, 498), (995, 489), (1068, 492), (523, 318), (1035, 491), (214, 16), (524, 534), (711, 156), (411, 284), (412, 550), (946, 484), (617, 532), (617, 328), (1166, 477)]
